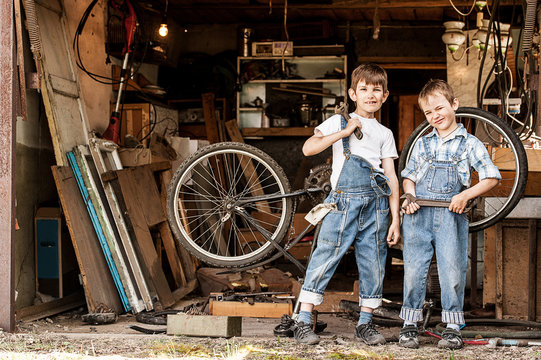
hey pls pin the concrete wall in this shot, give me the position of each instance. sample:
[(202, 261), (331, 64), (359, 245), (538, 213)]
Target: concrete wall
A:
[(463, 74)]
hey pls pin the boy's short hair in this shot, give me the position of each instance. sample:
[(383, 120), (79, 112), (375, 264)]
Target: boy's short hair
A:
[(371, 73), (437, 86)]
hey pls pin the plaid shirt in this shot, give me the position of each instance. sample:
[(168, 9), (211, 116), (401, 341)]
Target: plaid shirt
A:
[(476, 156)]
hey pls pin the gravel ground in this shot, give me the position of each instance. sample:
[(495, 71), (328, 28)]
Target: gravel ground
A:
[(67, 337)]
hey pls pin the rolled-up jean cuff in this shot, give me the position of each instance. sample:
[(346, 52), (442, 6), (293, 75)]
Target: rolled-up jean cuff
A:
[(370, 302), (411, 315), (309, 297), (452, 317)]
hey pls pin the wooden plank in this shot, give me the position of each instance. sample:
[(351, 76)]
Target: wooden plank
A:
[(278, 131), (244, 309), (532, 268), (172, 255), (181, 292), (204, 325), (96, 278), (211, 126), (143, 240), (104, 225), (102, 150), (148, 196), (247, 167), (499, 271), (187, 261), (36, 312), (503, 159), (489, 273)]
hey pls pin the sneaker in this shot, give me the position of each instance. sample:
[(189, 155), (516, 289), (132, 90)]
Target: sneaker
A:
[(304, 334), (369, 334), (451, 339), (409, 337)]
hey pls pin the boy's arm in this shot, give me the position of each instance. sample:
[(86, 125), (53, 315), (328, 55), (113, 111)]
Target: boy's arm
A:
[(459, 201), (319, 142), (394, 229)]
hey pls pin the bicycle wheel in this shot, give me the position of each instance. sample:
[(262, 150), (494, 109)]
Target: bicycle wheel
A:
[(218, 197), (507, 152)]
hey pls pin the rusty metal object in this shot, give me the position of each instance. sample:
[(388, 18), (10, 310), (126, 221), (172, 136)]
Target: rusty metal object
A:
[(8, 75)]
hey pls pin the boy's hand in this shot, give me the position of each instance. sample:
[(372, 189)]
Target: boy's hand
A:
[(353, 124), (459, 203), (394, 233), (409, 206)]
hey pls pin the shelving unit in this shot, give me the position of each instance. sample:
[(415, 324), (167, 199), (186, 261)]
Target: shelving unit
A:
[(321, 78)]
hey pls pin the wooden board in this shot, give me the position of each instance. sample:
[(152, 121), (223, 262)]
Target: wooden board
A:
[(142, 238), (57, 306), (511, 279), (247, 167), (96, 278), (244, 309), (108, 230), (188, 262), (149, 197)]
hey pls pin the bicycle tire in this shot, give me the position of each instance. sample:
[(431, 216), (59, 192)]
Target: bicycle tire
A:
[(204, 211), (497, 136)]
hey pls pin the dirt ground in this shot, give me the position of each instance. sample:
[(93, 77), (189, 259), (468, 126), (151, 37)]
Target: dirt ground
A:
[(66, 336)]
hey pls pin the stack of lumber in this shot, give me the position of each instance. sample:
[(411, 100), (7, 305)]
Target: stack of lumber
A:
[(119, 230)]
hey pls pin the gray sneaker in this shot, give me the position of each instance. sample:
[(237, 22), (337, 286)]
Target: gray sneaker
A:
[(451, 339), (304, 334), (409, 337), (369, 334)]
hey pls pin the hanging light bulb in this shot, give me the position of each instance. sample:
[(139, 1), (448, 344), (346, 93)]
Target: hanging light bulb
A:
[(163, 31)]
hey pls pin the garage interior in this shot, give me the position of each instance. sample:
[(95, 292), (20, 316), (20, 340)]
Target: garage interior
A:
[(99, 101)]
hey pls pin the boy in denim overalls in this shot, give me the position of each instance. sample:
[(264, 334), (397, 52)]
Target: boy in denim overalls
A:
[(365, 187), (439, 169)]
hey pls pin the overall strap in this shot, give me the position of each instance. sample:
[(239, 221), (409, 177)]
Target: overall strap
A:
[(345, 139), (428, 153), (460, 149)]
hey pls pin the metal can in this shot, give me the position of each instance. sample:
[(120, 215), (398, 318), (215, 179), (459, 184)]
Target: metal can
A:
[(246, 41)]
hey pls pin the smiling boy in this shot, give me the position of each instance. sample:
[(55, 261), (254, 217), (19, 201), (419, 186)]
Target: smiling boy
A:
[(365, 189), (440, 169)]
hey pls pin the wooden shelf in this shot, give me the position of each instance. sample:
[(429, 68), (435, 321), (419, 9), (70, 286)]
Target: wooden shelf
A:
[(315, 80), (278, 131)]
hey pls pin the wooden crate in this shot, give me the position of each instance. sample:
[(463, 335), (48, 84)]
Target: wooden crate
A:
[(504, 160), (244, 309), (135, 120), (511, 277)]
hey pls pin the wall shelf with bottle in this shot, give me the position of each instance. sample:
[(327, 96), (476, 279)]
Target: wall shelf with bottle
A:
[(288, 96)]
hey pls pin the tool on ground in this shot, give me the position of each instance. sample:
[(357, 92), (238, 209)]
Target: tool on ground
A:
[(130, 23), (343, 110)]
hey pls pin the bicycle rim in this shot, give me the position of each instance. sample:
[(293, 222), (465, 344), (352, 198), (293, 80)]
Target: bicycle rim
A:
[(506, 151), (204, 208)]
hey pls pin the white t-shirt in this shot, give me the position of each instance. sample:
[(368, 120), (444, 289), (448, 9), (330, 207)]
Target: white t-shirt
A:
[(377, 143)]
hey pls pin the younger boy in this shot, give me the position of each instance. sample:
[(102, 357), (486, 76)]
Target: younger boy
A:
[(365, 186), (439, 169)]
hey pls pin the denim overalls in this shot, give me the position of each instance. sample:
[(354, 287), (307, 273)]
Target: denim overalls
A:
[(436, 228), (361, 219)]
